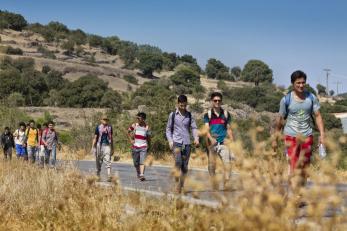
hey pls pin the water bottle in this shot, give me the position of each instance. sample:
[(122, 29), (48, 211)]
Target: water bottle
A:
[(322, 151)]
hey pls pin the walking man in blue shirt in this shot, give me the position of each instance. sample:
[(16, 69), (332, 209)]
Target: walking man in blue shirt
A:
[(178, 135)]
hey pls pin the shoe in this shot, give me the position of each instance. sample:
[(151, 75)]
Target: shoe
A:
[(142, 177), (109, 179)]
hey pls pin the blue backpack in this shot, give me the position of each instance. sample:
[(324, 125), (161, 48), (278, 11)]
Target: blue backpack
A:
[(288, 99)]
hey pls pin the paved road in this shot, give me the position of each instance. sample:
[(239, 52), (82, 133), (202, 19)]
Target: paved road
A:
[(158, 179)]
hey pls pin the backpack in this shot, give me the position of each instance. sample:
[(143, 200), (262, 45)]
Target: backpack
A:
[(287, 101), (225, 113), (173, 119)]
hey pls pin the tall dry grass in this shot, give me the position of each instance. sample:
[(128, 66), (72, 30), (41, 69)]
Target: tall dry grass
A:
[(258, 199)]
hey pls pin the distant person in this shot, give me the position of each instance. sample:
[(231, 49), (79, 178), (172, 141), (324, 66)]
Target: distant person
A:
[(50, 142), (41, 149), (32, 141), (103, 146), (297, 109), (7, 143), (139, 136), (179, 137), (19, 139), (218, 125)]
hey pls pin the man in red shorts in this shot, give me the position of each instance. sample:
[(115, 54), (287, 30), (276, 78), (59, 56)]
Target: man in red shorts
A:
[(297, 109)]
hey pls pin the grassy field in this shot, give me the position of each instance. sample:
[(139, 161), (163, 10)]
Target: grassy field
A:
[(46, 199)]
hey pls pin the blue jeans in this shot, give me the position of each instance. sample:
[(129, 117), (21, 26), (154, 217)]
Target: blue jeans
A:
[(32, 150), (181, 154), (51, 154)]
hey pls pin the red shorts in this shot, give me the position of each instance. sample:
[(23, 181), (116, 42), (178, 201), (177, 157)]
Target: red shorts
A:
[(299, 150)]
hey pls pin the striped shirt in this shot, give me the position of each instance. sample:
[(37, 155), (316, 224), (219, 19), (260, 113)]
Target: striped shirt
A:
[(141, 134), (218, 125)]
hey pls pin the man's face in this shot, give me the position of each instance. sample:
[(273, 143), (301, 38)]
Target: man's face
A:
[(140, 119), (104, 121), (299, 85), (32, 124), (7, 131), (182, 105), (22, 127), (216, 102), (50, 126)]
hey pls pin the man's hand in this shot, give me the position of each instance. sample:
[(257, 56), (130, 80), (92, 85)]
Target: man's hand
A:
[(196, 143), (213, 141), (171, 145)]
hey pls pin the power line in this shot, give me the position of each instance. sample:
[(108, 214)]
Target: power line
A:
[(337, 87)]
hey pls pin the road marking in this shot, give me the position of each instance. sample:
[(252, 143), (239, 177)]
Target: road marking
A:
[(211, 204)]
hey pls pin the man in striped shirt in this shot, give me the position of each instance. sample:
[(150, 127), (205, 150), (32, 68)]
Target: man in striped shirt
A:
[(139, 136)]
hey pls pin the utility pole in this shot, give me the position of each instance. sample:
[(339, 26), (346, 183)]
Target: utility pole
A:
[(327, 70), (337, 87)]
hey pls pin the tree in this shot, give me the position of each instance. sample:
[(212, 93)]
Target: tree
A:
[(12, 21), (191, 61), (149, 62), (127, 52), (15, 99), (236, 72), (69, 47), (215, 69), (331, 92), (111, 45), (185, 80), (95, 40), (321, 89), (78, 37), (256, 71), (111, 99)]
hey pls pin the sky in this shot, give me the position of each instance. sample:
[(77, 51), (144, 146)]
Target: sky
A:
[(288, 35)]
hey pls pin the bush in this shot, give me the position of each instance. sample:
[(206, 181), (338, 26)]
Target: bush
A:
[(10, 50), (131, 79), (12, 21), (46, 53), (185, 79)]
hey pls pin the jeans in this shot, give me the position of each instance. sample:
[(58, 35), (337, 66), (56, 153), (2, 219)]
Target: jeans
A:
[(181, 154), (51, 154), (32, 151)]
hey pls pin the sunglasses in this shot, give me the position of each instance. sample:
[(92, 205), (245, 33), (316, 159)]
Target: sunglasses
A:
[(217, 100)]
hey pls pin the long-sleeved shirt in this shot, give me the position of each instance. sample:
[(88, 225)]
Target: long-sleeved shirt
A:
[(50, 137), (7, 141), (181, 133)]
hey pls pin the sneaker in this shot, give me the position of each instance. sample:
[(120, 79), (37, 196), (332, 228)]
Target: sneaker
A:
[(142, 177), (109, 179)]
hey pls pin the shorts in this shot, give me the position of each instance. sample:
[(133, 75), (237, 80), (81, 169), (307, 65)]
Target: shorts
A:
[(139, 156), (299, 153), (20, 150)]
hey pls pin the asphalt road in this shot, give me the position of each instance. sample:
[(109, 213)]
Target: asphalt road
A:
[(159, 181)]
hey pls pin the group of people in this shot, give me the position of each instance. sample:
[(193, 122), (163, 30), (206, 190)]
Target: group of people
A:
[(31, 142), (297, 110)]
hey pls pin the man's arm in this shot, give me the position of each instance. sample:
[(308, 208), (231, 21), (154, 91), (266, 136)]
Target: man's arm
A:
[(169, 135), (195, 132), (320, 125), (230, 133), (129, 134)]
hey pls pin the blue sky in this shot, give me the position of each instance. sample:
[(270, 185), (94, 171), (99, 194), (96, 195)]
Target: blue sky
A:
[(288, 35)]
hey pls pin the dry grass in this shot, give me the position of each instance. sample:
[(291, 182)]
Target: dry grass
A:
[(33, 198)]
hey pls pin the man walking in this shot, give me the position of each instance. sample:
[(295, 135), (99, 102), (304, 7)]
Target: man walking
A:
[(103, 146), (19, 139), (298, 108), (217, 122), (50, 142), (31, 140), (139, 136), (178, 135), (7, 143)]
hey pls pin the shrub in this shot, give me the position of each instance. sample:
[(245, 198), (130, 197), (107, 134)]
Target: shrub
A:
[(46, 53), (10, 50), (131, 79)]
